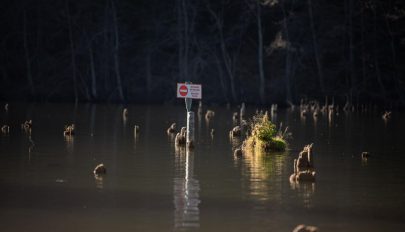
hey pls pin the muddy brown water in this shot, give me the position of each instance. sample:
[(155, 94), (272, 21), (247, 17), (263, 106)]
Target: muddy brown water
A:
[(46, 180)]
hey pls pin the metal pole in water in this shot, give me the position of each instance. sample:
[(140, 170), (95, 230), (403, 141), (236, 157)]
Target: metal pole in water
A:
[(190, 128), (190, 123)]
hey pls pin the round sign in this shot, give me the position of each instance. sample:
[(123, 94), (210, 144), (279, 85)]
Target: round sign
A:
[(183, 90)]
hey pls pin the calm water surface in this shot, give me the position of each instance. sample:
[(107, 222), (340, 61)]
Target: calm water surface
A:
[(46, 181)]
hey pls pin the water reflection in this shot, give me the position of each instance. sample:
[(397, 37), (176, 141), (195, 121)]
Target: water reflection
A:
[(99, 181), (185, 191), (30, 148), (329, 120), (69, 140), (252, 195), (264, 172), (364, 161), (305, 191)]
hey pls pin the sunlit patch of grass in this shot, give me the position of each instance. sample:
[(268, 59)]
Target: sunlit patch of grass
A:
[(264, 136), (278, 144)]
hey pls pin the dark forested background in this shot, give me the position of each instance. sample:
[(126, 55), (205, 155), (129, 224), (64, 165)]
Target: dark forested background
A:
[(262, 52)]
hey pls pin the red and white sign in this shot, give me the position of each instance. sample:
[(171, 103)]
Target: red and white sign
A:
[(189, 91)]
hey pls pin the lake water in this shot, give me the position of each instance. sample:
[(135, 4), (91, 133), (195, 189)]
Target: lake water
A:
[(46, 180)]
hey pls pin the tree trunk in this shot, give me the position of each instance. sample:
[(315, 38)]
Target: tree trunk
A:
[(260, 53), (316, 49), (394, 63), (221, 79), (186, 40), (376, 62), (287, 56), (4, 74), (106, 53), (228, 67), (116, 52), (39, 48), (351, 53), (27, 56), (148, 67), (72, 50), (225, 55), (180, 39), (363, 52)]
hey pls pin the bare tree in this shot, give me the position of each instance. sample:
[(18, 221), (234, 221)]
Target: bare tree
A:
[(287, 53), (183, 38), (225, 55), (363, 49), (186, 38), (376, 61), (92, 72), (260, 52), (352, 71), (224, 90), (72, 51), (105, 57), (391, 34), (316, 47), (27, 54), (116, 52)]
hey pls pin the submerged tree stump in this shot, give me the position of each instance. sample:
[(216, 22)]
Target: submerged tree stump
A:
[(365, 155), (180, 139), (172, 129), (69, 130), (305, 228), (27, 126), (387, 115), (209, 115), (235, 132), (304, 169), (100, 169), (238, 153), (5, 129), (136, 130)]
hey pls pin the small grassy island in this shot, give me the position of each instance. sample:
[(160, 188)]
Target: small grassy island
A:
[(264, 136)]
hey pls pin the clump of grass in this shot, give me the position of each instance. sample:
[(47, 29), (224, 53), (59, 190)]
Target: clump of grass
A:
[(278, 144), (264, 136)]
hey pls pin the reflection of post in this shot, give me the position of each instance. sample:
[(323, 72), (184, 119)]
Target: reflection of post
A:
[(186, 193)]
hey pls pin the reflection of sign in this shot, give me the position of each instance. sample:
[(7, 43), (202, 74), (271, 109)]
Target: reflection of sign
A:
[(188, 91)]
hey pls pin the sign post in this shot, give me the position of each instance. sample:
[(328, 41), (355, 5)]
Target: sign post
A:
[(190, 128), (189, 92)]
